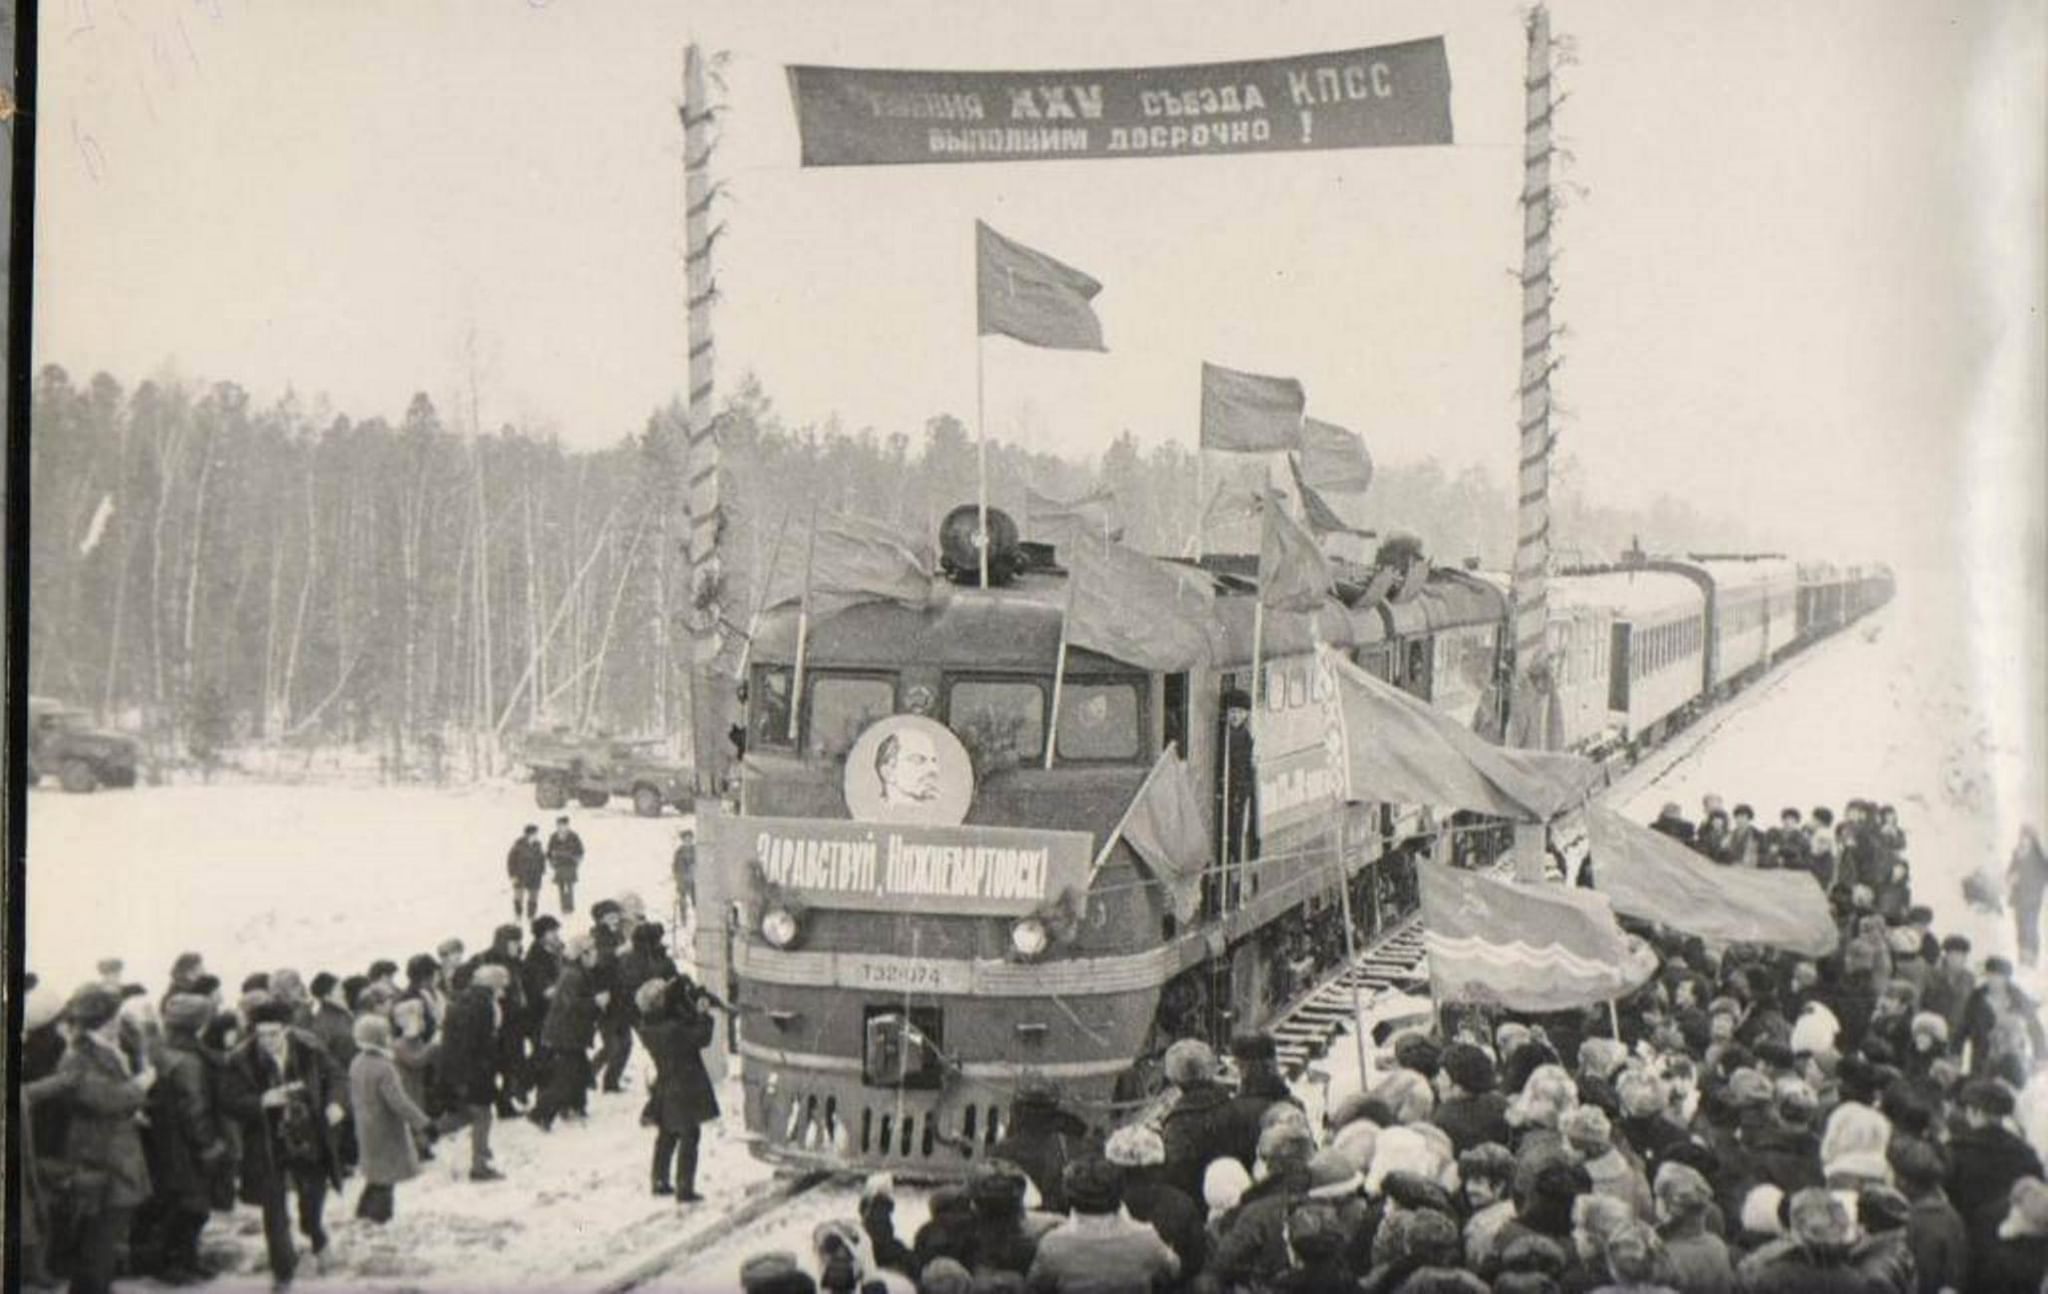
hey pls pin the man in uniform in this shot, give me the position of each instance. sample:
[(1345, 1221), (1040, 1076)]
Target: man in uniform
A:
[(685, 866), (565, 856)]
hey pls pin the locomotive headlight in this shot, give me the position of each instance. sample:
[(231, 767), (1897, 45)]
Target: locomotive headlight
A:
[(1029, 937), (779, 927)]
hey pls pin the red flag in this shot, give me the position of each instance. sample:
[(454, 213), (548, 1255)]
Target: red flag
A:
[(1649, 875), (1322, 519), (1163, 825), (1333, 459), (1293, 573), (1139, 609), (1093, 512), (1524, 947), (1028, 295), (1249, 412), (853, 560)]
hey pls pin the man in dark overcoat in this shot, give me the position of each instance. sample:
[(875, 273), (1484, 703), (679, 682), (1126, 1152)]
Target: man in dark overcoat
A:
[(287, 1094), (565, 1036), (676, 1025), (469, 1063), (565, 856), (527, 864)]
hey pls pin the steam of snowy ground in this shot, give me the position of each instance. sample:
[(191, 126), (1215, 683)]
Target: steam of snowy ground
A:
[(314, 877)]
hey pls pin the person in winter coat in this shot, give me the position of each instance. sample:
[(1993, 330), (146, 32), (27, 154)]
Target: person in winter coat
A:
[(608, 935), (1591, 1139), (565, 857), (1004, 1238), (1194, 1127), (1671, 821), (1949, 984), (1316, 1246), (2001, 1026), (2017, 1259), (1140, 1153), (1099, 1249), (1695, 1259), (1042, 1139), (468, 1065), (526, 864), (287, 1093), (878, 1224), (2026, 880), (1251, 1246), (1468, 1108), (102, 1141), (415, 1056), (565, 1035), (1934, 1230), (1986, 1158), (1818, 1257), (509, 1054), (677, 1025), (646, 958), (387, 1120), (186, 1150)]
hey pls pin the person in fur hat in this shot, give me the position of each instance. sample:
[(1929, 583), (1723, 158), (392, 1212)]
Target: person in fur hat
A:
[(469, 1064), (1140, 1153), (565, 857), (1195, 1127), (2016, 1259), (102, 1141), (287, 1093), (186, 1148), (387, 1120), (677, 1026), (1987, 1158)]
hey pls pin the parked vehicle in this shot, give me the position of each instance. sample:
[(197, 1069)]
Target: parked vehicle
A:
[(63, 743), (590, 770)]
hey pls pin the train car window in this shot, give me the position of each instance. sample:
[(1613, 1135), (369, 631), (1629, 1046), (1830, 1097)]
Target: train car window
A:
[(1001, 721), (1099, 721), (768, 707), (1177, 712), (840, 706)]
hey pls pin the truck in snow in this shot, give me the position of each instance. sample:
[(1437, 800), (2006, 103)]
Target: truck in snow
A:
[(63, 743), (590, 770)]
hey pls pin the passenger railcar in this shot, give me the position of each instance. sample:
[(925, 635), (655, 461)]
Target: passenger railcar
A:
[(1658, 630)]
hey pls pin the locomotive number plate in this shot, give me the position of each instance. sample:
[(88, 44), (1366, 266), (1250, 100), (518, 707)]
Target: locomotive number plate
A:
[(906, 974)]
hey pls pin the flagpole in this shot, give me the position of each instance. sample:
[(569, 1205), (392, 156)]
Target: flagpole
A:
[(1059, 668), (1351, 948), (803, 625), (981, 455), (761, 597)]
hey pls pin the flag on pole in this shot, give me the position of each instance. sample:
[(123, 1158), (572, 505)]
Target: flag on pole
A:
[(1333, 460), (1523, 947), (1163, 826), (852, 560), (1293, 573), (1138, 609), (1093, 512), (1648, 875), (1028, 295), (1250, 413)]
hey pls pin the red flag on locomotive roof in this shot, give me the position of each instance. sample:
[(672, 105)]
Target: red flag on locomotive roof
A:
[(1649, 875), (1138, 609), (1025, 294), (854, 560), (1523, 947), (1293, 573), (1094, 511), (1249, 412)]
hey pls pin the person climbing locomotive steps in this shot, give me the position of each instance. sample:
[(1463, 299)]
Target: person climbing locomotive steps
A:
[(565, 856)]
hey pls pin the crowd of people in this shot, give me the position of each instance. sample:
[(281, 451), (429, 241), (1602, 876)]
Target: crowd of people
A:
[(145, 1111), (1763, 1122)]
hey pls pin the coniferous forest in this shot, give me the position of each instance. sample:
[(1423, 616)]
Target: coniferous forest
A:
[(211, 573)]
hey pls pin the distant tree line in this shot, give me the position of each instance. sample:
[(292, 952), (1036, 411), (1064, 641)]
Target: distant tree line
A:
[(209, 571)]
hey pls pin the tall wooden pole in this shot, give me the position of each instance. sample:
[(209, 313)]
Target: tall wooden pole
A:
[(712, 695), (1532, 518)]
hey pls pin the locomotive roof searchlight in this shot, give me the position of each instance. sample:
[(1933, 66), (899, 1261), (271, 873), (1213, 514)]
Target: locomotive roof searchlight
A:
[(960, 547)]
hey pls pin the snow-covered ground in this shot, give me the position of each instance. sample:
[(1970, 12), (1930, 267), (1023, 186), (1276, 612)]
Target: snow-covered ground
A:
[(258, 877)]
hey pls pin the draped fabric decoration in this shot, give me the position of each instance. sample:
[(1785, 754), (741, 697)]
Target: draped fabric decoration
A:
[(1524, 947), (1650, 876)]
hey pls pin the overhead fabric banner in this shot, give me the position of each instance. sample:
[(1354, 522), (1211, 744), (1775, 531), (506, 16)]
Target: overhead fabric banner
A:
[(1384, 96), (1400, 750), (1648, 875), (1523, 947)]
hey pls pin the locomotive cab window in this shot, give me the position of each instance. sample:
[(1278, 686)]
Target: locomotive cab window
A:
[(1000, 721), (1099, 721), (839, 706)]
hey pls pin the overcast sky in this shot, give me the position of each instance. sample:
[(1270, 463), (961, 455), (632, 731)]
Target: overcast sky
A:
[(1801, 275)]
